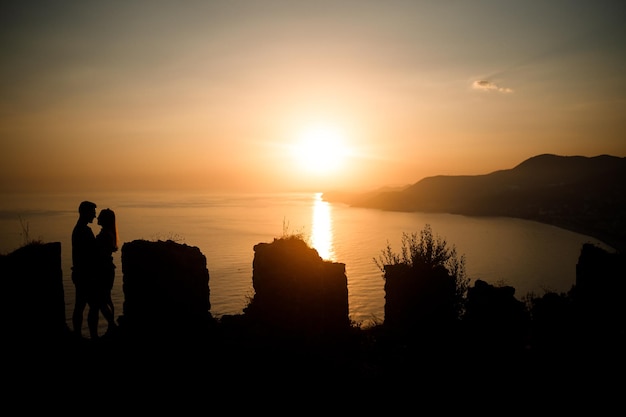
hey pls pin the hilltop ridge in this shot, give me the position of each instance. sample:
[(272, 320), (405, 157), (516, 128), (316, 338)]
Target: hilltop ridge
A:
[(582, 194)]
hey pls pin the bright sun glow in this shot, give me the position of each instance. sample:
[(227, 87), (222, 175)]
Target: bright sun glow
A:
[(320, 149)]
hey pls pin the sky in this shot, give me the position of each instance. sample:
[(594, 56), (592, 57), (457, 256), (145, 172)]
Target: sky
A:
[(268, 96)]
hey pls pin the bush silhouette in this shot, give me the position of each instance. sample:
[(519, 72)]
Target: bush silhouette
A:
[(425, 284)]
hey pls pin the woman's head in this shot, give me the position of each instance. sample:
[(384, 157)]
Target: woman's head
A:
[(106, 218)]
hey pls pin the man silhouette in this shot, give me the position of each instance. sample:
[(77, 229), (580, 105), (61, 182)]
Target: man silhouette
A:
[(83, 264)]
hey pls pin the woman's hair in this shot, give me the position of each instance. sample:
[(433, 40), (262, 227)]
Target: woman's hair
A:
[(106, 219)]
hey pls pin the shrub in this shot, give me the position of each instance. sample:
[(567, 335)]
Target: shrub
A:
[(428, 254)]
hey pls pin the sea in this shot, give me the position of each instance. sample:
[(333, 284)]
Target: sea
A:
[(532, 257)]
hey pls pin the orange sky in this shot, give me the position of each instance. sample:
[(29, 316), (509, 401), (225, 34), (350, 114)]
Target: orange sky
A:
[(216, 95)]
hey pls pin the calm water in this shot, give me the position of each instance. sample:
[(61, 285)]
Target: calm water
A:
[(529, 256)]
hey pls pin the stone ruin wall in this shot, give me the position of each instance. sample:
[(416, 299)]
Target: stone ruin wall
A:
[(166, 288), (297, 291)]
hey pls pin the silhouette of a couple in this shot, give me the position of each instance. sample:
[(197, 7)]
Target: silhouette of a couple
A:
[(93, 270)]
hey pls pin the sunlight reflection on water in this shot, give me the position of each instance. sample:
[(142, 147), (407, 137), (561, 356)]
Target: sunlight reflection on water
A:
[(322, 228)]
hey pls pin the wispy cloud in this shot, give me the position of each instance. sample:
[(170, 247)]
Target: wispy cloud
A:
[(485, 85)]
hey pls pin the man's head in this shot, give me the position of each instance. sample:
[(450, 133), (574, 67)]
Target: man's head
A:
[(87, 210)]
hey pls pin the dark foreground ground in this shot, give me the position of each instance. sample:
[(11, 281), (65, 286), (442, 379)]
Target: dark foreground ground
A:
[(235, 368)]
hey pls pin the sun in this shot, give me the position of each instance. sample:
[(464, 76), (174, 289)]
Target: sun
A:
[(320, 149)]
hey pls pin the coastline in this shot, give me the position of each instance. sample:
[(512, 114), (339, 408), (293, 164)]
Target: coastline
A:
[(616, 244)]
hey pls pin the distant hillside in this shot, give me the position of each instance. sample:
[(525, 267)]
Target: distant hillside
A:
[(583, 194)]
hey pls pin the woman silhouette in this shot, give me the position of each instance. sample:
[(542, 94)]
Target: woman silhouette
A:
[(106, 243)]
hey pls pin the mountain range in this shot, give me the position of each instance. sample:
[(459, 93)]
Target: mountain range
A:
[(583, 194)]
